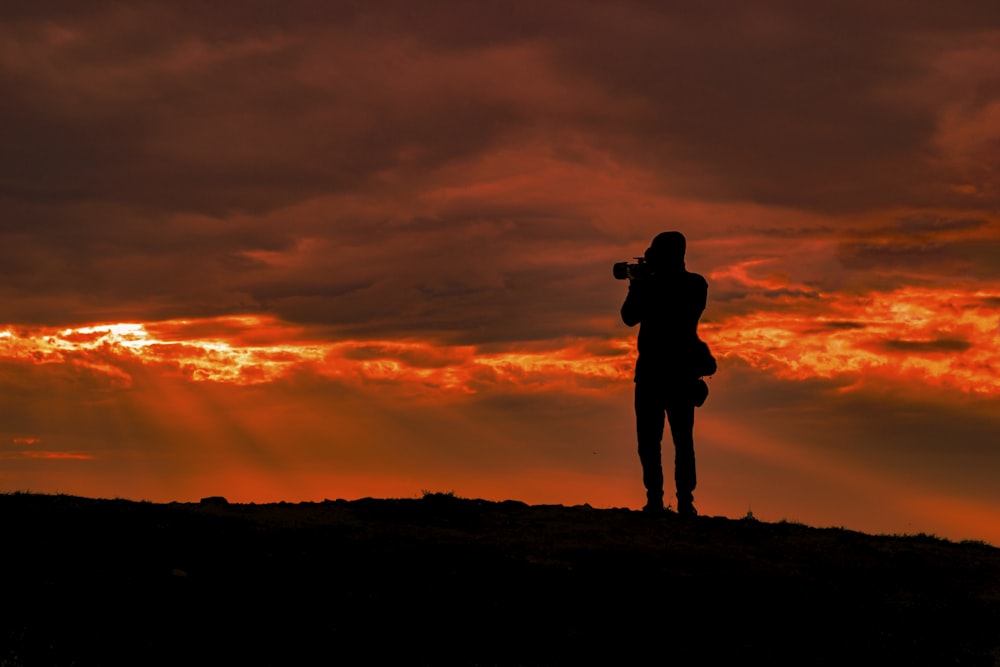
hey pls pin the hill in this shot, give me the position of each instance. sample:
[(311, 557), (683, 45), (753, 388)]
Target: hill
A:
[(443, 580)]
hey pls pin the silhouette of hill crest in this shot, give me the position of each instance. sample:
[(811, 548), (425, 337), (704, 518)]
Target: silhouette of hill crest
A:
[(446, 580)]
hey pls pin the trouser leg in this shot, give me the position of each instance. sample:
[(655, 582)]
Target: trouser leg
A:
[(649, 422), (681, 417)]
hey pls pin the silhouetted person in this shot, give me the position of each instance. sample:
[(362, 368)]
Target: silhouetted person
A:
[(666, 302)]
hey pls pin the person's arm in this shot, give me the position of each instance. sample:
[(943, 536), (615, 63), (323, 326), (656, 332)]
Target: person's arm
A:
[(702, 295), (633, 306)]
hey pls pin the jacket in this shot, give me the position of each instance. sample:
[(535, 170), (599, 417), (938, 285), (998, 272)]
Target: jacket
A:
[(667, 306)]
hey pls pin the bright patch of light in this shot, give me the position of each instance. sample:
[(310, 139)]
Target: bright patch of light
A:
[(910, 336)]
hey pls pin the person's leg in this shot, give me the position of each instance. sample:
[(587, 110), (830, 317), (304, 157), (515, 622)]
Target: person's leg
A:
[(649, 419), (681, 417)]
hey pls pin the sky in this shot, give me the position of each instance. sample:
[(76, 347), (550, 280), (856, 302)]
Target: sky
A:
[(307, 250)]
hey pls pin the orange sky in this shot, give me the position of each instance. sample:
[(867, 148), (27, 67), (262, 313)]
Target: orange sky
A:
[(340, 251)]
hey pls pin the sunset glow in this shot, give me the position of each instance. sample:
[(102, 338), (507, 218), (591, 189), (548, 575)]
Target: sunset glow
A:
[(359, 250), (940, 337)]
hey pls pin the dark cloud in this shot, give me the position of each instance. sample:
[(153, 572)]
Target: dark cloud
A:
[(801, 230), (377, 170), (938, 345), (981, 255), (150, 106), (215, 109), (783, 295), (845, 325), (930, 222), (925, 259), (825, 327), (895, 254), (785, 105)]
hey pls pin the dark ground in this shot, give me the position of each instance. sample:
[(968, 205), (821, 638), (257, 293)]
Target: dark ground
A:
[(443, 580)]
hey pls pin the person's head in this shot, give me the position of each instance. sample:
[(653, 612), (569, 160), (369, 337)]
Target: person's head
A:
[(667, 249)]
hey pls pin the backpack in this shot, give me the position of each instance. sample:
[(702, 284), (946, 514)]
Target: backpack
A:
[(704, 363)]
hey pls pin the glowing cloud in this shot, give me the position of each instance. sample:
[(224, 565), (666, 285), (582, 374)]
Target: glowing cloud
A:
[(936, 336), (110, 349)]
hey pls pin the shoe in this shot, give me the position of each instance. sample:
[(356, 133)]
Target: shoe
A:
[(687, 509)]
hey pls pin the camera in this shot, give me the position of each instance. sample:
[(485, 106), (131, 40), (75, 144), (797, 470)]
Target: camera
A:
[(640, 269)]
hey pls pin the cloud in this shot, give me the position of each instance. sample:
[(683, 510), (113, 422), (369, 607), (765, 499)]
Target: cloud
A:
[(372, 171), (932, 222), (327, 218), (943, 345), (844, 325), (204, 110)]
